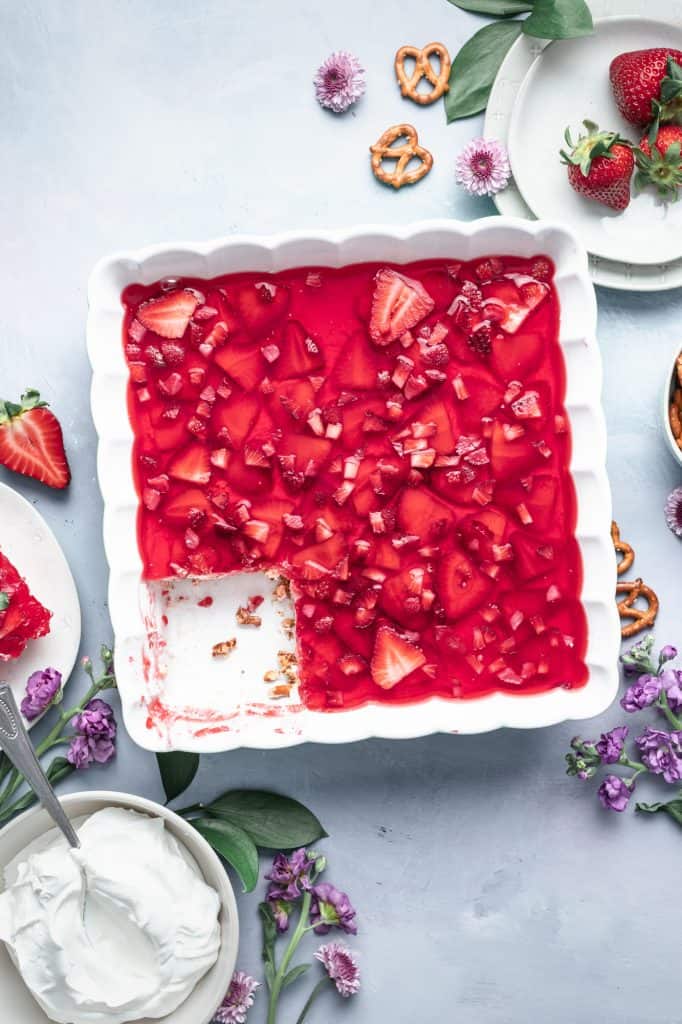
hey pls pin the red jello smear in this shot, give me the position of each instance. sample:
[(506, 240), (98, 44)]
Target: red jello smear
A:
[(392, 439)]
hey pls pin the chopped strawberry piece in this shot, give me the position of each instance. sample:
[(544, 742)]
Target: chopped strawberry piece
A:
[(393, 658), (459, 585), (192, 464), (261, 306), (169, 315)]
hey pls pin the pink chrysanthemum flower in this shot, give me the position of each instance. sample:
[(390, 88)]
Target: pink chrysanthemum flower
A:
[(238, 1001), (341, 966), (482, 168), (339, 82), (673, 511)]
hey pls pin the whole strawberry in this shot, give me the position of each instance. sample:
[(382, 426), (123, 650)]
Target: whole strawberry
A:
[(31, 441), (661, 164), (600, 166), (647, 85)]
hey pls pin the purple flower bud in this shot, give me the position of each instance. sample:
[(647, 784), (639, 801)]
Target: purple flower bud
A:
[(668, 653), (615, 793), (611, 744), (41, 690), (281, 910), (331, 908), (641, 694)]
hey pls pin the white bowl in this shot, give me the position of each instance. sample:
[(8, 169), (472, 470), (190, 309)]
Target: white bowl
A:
[(172, 696), (671, 383), (18, 1004)]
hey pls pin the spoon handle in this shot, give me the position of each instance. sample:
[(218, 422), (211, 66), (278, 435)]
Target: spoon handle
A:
[(15, 742)]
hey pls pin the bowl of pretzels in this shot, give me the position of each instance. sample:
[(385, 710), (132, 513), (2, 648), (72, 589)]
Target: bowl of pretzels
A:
[(672, 406)]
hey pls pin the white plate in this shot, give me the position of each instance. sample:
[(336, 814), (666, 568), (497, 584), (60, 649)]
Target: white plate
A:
[(174, 695), (18, 1005), (609, 273), (567, 83), (33, 549)]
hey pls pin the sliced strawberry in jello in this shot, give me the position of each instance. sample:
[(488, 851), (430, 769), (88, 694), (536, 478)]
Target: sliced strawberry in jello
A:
[(515, 356), (399, 303), (22, 617), (512, 299), (192, 464), (356, 368), (460, 586), (422, 513), (261, 305), (299, 354), (511, 454), (394, 658), (169, 315), (243, 365)]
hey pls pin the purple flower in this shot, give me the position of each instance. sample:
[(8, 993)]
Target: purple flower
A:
[(641, 694), (611, 744), (341, 966), (668, 653), (41, 690), (79, 753), (235, 1006), (672, 684), (339, 81), (615, 793), (661, 753), (290, 876), (673, 511), (331, 908), (482, 168), (97, 724), (281, 910)]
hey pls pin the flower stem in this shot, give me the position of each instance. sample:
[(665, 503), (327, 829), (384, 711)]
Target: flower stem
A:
[(311, 998), (286, 959), (665, 708)]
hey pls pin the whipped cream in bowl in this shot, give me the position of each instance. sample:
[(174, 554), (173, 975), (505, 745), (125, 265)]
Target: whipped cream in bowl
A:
[(151, 934)]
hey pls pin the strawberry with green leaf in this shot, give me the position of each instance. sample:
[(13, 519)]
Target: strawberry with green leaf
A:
[(31, 441), (600, 166), (659, 163), (647, 85)]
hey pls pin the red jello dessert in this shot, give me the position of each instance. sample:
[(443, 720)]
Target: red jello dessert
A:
[(393, 440), (22, 616)]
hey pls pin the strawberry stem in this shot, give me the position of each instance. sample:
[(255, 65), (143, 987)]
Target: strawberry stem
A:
[(30, 399)]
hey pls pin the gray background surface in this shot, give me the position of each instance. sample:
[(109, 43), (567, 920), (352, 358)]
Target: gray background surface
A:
[(491, 888)]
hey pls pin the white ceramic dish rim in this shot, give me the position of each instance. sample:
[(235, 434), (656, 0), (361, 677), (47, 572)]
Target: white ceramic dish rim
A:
[(670, 385), (211, 989), (337, 248), (517, 115), (510, 202)]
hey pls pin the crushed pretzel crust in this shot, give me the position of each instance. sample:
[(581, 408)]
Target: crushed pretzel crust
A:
[(224, 648), (245, 617), (288, 626), (288, 662), (271, 676), (280, 690), (282, 589)]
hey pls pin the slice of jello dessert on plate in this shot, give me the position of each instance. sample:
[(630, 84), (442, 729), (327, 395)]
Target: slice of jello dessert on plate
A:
[(22, 617), (391, 439)]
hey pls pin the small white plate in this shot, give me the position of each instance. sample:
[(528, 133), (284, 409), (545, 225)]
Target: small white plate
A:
[(567, 83), (28, 542)]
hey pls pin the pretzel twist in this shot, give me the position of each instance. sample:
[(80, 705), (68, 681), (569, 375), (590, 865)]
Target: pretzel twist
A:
[(636, 619), (423, 68), (384, 148), (625, 553)]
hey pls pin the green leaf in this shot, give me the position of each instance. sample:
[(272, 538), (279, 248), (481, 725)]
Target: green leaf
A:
[(178, 769), (559, 19), (269, 938), (475, 67), (274, 821), (4, 601), (59, 769), (294, 973), (496, 8), (234, 845), (673, 808)]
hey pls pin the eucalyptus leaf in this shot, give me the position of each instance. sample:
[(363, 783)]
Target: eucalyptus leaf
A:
[(234, 845), (294, 973), (559, 19), (178, 769), (273, 821), (495, 8), (475, 67), (673, 808)]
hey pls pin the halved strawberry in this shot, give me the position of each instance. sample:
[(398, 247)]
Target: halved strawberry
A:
[(511, 299), (399, 303), (443, 415), (233, 419), (420, 512), (318, 560), (293, 400), (394, 658), (460, 585), (261, 305), (192, 464), (168, 316), (186, 506), (299, 354), (31, 441)]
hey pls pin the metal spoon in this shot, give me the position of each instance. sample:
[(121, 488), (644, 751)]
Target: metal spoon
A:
[(15, 742)]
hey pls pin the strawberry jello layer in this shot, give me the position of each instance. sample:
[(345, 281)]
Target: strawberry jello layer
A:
[(393, 440), (22, 617)]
